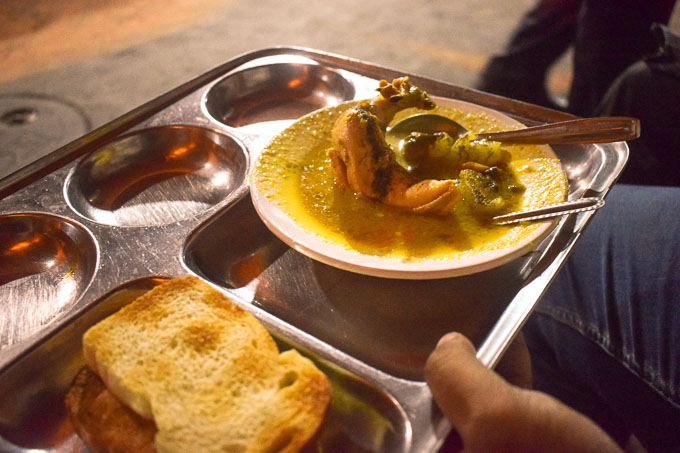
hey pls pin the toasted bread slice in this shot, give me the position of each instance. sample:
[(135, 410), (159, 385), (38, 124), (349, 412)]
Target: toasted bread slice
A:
[(207, 372)]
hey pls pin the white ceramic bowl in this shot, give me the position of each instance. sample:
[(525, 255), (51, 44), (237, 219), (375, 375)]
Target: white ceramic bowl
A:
[(316, 247)]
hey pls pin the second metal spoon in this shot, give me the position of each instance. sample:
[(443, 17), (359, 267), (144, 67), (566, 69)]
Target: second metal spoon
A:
[(553, 210)]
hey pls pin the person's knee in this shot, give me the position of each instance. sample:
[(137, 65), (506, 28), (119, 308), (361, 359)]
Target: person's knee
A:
[(622, 96)]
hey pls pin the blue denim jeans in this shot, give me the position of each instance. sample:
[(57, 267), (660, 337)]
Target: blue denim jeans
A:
[(605, 338)]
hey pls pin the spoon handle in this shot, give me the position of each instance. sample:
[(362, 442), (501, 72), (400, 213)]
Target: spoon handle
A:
[(553, 210), (579, 131)]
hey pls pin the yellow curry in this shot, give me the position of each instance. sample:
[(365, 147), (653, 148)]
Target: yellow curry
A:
[(294, 172)]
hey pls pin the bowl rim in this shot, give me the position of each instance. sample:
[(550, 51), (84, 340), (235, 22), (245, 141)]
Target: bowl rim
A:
[(315, 247)]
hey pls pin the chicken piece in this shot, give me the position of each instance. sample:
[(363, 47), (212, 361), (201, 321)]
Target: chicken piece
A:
[(364, 162), (419, 148), (396, 96)]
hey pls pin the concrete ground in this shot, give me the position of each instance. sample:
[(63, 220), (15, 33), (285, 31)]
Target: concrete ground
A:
[(72, 65)]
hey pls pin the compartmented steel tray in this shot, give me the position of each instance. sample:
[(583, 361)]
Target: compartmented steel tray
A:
[(162, 191)]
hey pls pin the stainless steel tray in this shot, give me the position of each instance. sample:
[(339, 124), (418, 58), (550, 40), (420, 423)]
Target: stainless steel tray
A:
[(163, 191)]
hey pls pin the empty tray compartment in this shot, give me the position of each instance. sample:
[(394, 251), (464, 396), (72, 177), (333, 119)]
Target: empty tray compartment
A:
[(156, 176), (273, 92), (46, 264)]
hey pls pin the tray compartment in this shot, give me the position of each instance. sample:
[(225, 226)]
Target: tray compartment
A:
[(156, 176), (389, 324), (274, 92), (46, 263), (361, 417)]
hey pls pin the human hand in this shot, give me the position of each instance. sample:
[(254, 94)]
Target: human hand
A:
[(491, 415)]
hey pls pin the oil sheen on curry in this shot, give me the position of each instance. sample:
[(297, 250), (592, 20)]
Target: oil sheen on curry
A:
[(430, 198)]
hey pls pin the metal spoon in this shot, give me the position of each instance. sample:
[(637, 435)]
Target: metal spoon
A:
[(578, 131), (553, 210)]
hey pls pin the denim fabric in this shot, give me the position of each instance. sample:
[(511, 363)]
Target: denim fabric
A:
[(606, 336)]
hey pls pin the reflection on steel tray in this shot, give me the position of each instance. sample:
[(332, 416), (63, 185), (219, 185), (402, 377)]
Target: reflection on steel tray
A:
[(163, 191)]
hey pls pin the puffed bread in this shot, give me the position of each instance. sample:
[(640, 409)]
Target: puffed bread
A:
[(207, 372), (104, 423)]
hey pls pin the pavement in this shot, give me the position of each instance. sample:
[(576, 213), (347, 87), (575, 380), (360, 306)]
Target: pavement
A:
[(72, 65)]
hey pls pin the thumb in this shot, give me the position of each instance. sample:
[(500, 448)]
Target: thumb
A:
[(459, 382), (491, 415)]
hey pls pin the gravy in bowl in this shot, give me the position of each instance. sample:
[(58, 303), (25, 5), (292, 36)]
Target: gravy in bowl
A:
[(293, 176)]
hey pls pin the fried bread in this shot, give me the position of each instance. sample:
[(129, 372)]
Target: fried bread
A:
[(104, 423), (206, 372)]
